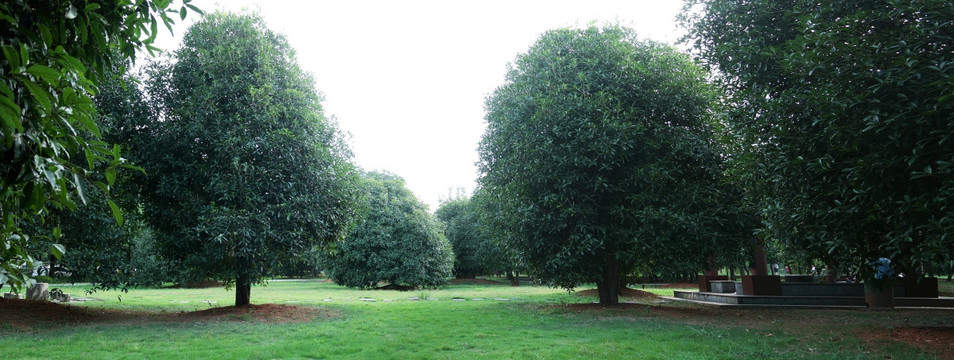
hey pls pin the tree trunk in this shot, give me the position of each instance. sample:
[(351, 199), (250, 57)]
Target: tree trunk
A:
[(712, 268), (514, 281), (52, 265), (608, 286), (243, 291)]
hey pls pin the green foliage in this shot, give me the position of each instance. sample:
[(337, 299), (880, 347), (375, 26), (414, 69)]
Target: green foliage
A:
[(842, 112), (306, 265), (475, 252), (495, 225), (244, 170), (101, 250), (53, 53), (105, 252), (397, 241), (598, 158)]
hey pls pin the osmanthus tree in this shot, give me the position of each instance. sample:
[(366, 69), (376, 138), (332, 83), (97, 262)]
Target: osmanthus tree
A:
[(396, 242), (102, 251), (244, 171), (53, 55), (475, 252), (845, 113), (495, 224), (599, 156)]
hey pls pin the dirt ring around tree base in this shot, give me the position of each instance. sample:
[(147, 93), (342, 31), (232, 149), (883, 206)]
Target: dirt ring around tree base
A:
[(31, 315)]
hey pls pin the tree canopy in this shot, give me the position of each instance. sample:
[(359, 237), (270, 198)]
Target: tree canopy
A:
[(842, 112), (475, 252), (244, 171), (54, 53), (599, 156), (397, 241)]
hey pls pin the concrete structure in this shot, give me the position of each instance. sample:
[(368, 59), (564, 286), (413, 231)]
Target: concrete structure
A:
[(801, 294), (804, 301), (722, 286)]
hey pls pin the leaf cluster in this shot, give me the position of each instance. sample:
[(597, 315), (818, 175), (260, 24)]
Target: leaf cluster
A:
[(475, 252), (841, 112), (245, 172), (396, 242), (53, 53), (599, 156)]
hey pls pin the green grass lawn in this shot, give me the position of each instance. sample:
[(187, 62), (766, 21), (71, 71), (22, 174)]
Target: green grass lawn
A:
[(536, 323)]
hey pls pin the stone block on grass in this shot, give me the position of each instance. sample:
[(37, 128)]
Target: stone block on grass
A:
[(39, 291), (722, 286), (704, 281)]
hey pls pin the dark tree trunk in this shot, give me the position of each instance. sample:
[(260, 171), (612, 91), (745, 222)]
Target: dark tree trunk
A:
[(712, 267), (514, 278), (52, 266), (243, 291), (732, 273), (608, 286)]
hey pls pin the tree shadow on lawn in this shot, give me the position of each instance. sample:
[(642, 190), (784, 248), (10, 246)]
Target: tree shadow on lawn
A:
[(929, 330), (32, 315)]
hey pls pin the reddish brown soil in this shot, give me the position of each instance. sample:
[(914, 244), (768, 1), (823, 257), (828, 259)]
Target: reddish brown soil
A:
[(35, 315), (26, 314), (266, 313)]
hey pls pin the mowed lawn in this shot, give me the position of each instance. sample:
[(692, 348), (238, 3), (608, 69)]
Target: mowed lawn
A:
[(483, 322)]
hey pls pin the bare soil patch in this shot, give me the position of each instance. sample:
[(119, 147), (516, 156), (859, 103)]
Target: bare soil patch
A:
[(267, 313), (29, 315)]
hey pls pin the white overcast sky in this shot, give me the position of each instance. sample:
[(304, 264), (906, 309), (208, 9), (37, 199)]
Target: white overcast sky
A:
[(407, 79)]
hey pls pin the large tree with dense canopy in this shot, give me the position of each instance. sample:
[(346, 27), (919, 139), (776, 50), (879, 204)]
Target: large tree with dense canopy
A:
[(475, 251), (244, 171), (396, 241), (599, 157), (843, 114)]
